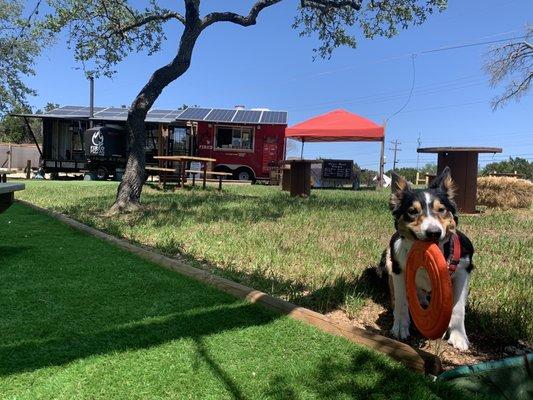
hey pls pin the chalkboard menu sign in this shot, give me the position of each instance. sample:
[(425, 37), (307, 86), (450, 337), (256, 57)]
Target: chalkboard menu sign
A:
[(337, 169)]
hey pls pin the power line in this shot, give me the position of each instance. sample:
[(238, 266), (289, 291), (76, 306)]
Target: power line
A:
[(428, 51), (471, 45), (434, 88), (410, 91)]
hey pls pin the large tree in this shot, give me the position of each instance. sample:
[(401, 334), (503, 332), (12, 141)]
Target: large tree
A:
[(103, 32), (512, 64)]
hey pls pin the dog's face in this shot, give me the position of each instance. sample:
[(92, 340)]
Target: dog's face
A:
[(426, 214)]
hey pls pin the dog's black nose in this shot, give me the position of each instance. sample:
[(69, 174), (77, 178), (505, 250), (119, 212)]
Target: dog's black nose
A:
[(433, 233)]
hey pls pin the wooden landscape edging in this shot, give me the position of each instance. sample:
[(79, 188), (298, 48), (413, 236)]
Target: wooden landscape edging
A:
[(415, 359)]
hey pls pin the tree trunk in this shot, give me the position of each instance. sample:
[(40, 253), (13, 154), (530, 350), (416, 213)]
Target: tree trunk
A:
[(129, 190)]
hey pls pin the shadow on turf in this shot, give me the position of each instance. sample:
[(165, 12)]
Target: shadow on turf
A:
[(8, 252), (35, 354), (218, 371), (356, 377), (206, 206)]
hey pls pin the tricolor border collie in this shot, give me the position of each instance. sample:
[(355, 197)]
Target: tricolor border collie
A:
[(430, 215)]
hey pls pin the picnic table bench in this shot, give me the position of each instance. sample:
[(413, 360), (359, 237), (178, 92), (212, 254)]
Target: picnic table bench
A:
[(182, 171), (159, 169), (219, 175)]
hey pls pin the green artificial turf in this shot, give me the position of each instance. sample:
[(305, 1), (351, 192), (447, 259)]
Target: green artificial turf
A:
[(81, 319)]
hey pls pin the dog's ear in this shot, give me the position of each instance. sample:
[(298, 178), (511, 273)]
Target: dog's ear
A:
[(445, 183), (402, 187)]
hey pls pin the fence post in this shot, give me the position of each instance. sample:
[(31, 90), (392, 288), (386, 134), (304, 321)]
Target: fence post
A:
[(28, 169), (10, 156)]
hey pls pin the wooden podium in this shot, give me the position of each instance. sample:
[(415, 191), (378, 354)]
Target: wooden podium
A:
[(300, 176), (463, 165)]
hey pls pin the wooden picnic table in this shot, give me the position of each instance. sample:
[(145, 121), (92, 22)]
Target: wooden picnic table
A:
[(7, 194), (182, 165)]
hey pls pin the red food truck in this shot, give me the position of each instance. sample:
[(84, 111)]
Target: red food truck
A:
[(247, 143)]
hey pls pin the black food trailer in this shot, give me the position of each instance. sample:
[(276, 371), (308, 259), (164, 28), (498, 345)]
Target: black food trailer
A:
[(74, 142)]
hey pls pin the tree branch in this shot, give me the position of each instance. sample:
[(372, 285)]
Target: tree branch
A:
[(514, 90), (354, 4), (150, 18), (251, 18), (238, 19)]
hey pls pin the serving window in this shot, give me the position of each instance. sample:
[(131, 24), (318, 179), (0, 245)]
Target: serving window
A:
[(234, 138)]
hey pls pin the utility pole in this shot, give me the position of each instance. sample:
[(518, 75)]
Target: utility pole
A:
[(396, 143), (419, 143)]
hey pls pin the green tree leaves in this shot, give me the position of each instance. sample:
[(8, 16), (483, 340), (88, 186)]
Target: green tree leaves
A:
[(519, 165), (333, 20), (21, 40)]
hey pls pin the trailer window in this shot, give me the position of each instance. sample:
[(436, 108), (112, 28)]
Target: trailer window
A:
[(178, 141), (236, 138)]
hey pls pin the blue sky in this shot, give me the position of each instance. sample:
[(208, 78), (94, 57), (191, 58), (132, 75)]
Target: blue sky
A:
[(269, 65)]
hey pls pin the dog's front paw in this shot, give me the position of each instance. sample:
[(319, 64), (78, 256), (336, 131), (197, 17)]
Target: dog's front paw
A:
[(400, 330), (458, 340)]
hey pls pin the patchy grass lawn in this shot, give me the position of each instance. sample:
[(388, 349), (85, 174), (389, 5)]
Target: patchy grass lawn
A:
[(82, 319), (313, 252)]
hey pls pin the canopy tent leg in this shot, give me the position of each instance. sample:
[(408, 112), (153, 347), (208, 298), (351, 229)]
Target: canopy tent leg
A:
[(381, 162)]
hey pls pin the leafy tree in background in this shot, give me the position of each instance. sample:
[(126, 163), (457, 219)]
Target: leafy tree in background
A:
[(407, 173), (103, 32), (512, 63), (510, 166), (20, 43), (14, 129), (410, 173), (428, 168), (366, 177)]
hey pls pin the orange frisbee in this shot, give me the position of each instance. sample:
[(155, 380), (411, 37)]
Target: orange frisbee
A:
[(432, 321)]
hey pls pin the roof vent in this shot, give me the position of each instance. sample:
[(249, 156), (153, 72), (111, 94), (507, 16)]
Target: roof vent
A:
[(239, 107)]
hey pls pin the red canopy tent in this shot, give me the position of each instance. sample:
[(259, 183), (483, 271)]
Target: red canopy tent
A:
[(338, 126)]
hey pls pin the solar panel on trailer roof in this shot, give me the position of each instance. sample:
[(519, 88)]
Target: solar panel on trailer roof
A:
[(160, 111), (115, 109), (174, 113), (247, 116), (69, 108), (195, 113), (57, 112), (219, 115), (112, 114), (167, 115), (274, 117)]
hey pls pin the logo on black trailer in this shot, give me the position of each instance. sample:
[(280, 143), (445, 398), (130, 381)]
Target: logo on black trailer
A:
[(97, 147)]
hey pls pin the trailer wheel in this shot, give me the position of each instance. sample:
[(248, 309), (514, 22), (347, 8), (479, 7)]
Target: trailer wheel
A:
[(101, 173), (244, 174)]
